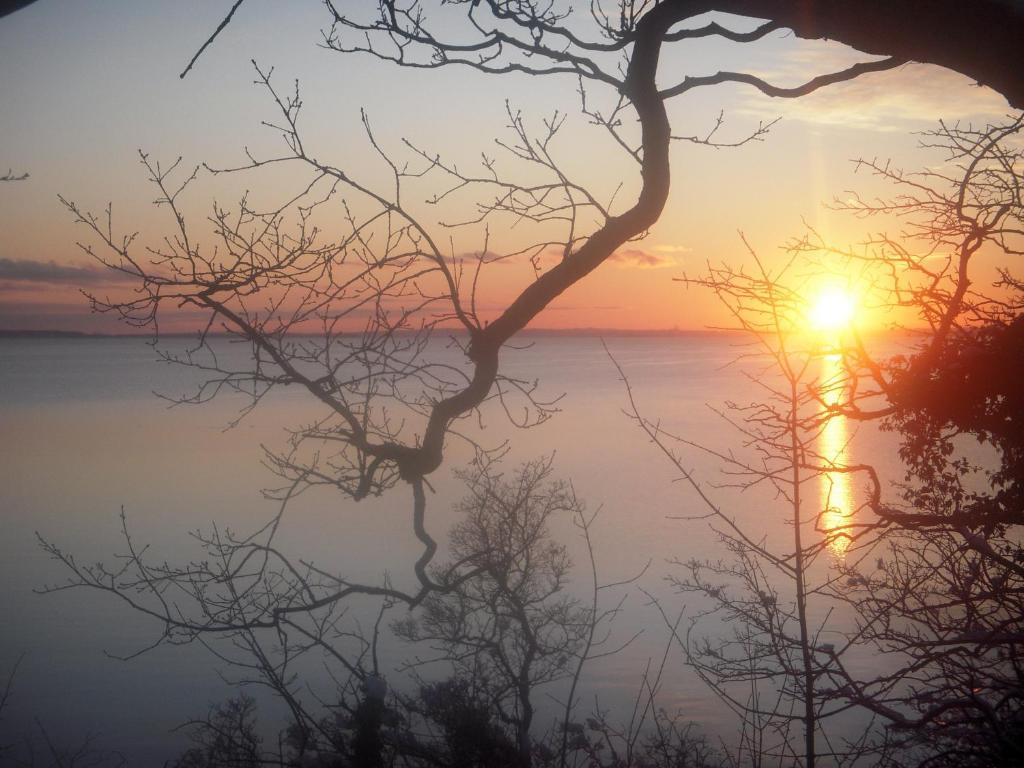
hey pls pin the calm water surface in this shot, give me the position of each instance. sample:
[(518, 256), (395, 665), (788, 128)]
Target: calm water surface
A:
[(84, 436)]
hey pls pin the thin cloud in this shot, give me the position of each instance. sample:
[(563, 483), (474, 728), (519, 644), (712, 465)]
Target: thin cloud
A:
[(892, 100), (52, 273), (77, 315), (46, 315), (658, 257), (639, 259), (583, 308), (474, 257)]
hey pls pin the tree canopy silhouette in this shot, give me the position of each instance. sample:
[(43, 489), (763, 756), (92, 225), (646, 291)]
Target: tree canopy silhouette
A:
[(981, 40)]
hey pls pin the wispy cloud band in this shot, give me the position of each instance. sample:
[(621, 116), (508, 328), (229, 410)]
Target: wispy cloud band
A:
[(50, 272)]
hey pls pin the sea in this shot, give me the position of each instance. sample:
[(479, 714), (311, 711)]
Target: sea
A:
[(93, 433)]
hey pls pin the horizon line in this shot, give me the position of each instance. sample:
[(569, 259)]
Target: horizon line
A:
[(581, 331)]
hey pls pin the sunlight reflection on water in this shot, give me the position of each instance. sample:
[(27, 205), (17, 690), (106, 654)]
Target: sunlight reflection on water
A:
[(835, 488)]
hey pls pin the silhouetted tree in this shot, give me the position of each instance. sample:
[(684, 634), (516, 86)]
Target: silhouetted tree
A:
[(5, 699), (935, 576), (502, 631), (934, 580), (348, 318), (35, 748), (508, 626), (971, 393), (227, 737), (943, 32), (472, 735), (10, 6), (387, 408), (772, 650)]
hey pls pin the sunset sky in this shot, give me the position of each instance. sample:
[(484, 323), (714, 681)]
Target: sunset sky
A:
[(85, 85)]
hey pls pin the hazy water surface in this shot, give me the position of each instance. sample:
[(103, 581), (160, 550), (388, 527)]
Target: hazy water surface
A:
[(84, 436)]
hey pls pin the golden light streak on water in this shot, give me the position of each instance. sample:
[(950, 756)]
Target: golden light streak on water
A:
[(835, 487)]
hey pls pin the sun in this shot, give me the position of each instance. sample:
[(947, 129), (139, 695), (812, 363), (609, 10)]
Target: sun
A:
[(833, 310)]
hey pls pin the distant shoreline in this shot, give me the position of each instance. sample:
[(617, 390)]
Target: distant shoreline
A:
[(553, 332), (20, 334)]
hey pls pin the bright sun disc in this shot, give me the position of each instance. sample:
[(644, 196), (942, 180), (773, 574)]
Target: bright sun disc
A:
[(832, 311)]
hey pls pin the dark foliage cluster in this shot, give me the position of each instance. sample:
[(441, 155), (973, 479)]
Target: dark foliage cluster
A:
[(973, 392)]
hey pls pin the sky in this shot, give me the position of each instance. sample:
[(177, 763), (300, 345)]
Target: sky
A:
[(86, 86)]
